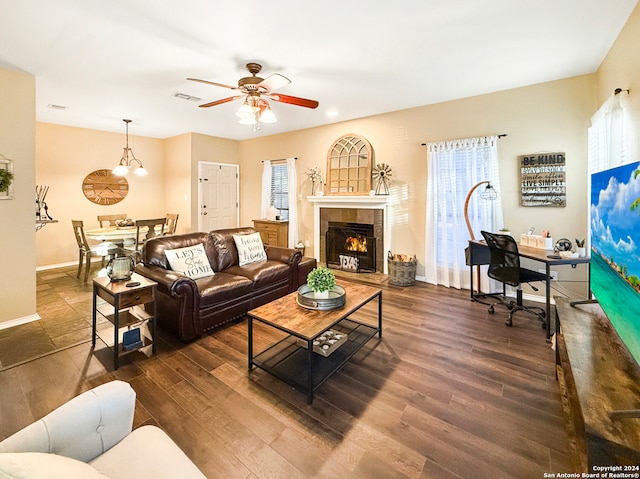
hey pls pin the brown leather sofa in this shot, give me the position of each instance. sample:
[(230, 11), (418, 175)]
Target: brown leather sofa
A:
[(190, 307)]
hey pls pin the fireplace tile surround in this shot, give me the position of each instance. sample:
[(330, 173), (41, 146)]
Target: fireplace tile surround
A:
[(359, 209)]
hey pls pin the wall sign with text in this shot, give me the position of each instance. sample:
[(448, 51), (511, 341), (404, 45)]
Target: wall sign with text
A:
[(543, 179)]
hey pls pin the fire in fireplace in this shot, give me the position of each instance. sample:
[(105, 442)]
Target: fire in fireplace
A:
[(351, 246), (356, 243)]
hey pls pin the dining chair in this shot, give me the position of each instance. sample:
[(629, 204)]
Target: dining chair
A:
[(110, 220), (86, 251), (145, 230), (172, 222)]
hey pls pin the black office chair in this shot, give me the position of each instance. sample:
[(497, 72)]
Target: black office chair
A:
[(505, 267)]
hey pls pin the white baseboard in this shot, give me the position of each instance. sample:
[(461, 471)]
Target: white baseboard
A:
[(53, 266), (18, 321)]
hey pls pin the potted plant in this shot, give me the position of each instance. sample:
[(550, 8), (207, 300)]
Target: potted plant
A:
[(6, 177), (321, 281), (582, 251), (505, 231)]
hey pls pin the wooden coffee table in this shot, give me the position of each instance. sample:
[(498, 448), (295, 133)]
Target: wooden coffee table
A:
[(292, 359)]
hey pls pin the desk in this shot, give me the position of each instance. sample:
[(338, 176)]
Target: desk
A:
[(479, 255)]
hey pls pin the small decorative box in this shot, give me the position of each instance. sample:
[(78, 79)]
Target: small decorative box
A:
[(326, 343)]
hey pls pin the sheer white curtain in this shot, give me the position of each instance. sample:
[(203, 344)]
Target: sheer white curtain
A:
[(266, 188), (609, 134), (292, 178), (453, 168)]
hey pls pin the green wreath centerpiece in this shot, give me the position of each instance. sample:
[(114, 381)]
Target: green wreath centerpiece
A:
[(6, 177)]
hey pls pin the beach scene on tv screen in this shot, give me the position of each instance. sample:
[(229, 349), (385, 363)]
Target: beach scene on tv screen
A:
[(615, 249)]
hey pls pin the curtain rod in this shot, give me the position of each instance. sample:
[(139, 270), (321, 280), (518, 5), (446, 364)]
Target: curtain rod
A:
[(281, 159), (501, 135)]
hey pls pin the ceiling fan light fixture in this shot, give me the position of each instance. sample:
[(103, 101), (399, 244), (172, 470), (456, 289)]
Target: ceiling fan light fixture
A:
[(268, 116), (246, 110), (248, 120), (254, 92)]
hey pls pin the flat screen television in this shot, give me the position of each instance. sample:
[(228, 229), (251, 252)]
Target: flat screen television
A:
[(615, 249)]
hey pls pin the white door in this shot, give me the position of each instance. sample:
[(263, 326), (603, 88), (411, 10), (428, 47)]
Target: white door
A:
[(218, 186)]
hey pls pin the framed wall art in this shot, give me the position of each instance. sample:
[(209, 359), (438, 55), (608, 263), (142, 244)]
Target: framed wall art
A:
[(543, 179), (6, 178)]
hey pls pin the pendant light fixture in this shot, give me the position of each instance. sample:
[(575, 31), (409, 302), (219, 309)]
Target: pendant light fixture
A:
[(125, 162)]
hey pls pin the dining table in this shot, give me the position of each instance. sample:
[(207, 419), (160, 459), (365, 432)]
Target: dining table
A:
[(115, 233), (111, 233)]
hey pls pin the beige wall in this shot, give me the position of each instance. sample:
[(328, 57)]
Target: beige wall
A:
[(546, 117), (178, 195), (17, 215), (64, 156), (213, 150)]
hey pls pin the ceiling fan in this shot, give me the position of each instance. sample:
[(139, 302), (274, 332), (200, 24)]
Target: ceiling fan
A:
[(255, 91)]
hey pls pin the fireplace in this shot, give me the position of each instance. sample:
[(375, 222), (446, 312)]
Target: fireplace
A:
[(351, 246), (352, 209)]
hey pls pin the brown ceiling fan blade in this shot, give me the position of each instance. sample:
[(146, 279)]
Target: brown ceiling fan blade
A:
[(294, 100), (273, 82), (220, 102), (213, 83)]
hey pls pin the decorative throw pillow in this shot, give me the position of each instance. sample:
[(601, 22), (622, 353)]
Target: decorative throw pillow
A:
[(250, 248), (40, 465), (191, 261)]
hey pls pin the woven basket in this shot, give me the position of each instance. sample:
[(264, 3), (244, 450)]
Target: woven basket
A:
[(402, 273)]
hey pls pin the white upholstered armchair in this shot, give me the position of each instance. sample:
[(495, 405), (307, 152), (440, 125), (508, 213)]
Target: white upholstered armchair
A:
[(91, 436)]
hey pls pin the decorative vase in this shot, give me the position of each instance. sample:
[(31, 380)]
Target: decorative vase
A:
[(582, 252), (321, 294), (121, 268)]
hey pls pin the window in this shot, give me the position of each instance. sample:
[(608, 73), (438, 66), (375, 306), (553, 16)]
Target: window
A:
[(280, 189), (609, 134), (453, 168)]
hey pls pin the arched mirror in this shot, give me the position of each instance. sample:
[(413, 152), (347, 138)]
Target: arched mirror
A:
[(349, 166)]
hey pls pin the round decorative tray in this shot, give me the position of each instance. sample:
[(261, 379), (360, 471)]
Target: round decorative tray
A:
[(306, 299)]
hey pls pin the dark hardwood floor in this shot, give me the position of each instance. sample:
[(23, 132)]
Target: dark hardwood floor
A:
[(448, 392)]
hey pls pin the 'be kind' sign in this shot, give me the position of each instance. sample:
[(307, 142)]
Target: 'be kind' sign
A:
[(543, 179)]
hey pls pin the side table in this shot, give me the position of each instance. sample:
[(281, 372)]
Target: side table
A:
[(128, 310)]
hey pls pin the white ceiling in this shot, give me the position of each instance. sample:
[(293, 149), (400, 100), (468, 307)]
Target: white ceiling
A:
[(106, 60)]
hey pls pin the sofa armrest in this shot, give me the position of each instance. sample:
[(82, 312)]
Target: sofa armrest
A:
[(169, 282), (181, 308), (287, 255), (82, 428)]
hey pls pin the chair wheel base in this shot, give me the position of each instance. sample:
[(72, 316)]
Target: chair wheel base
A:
[(508, 322), (491, 310)]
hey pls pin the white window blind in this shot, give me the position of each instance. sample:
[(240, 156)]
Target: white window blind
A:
[(280, 189)]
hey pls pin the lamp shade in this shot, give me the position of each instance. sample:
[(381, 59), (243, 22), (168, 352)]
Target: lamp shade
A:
[(268, 116)]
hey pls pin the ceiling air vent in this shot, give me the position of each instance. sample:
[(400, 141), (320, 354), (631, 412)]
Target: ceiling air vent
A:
[(184, 96)]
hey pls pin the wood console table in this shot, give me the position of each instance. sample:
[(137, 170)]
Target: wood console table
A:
[(601, 378), (274, 233)]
